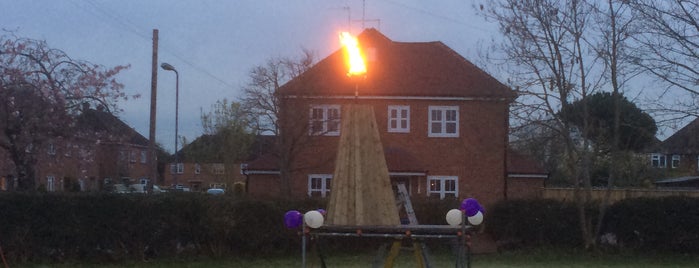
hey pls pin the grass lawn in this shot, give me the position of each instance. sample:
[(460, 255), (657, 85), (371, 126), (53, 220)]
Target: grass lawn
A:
[(502, 260)]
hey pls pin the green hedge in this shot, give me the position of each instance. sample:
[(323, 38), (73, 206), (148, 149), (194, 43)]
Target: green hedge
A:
[(532, 223), (646, 224), (110, 227), (58, 227), (664, 224)]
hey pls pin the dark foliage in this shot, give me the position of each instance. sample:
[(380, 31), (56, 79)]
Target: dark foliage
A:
[(662, 224), (637, 128), (532, 223)]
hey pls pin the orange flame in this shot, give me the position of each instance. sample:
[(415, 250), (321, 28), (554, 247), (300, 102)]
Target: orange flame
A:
[(354, 59)]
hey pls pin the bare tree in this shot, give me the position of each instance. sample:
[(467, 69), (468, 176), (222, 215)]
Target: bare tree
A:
[(44, 89), (262, 100), (669, 49), (561, 52)]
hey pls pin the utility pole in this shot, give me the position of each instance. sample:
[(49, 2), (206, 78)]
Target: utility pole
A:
[(153, 97)]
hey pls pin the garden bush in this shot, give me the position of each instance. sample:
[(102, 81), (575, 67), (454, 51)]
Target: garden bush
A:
[(660, 224), (532, 223), (42, 227)]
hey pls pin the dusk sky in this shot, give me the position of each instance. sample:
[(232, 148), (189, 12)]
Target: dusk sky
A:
[(214, 43)]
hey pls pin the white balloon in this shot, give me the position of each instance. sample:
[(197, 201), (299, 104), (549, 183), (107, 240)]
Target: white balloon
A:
[(454, 217), (476, 219), (313, 219)]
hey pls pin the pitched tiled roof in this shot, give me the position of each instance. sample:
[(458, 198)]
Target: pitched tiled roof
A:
[(97, 121), (684, 141), (429, 69)]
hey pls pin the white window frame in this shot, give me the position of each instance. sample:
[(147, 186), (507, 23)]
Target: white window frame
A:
[(438, 184), (328, 125), (50, 183), (398, 119), (132, 156), (144, 156), (179, 166), (218, 168), (197, 168), (437, 127), (52, 149), (658, 160), (324, 184), (675, 163)]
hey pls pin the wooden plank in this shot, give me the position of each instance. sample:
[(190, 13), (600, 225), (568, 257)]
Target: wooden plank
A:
[(361, 188)]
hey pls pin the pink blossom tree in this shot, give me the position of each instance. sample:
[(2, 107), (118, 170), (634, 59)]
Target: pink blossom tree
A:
[(42, 90)]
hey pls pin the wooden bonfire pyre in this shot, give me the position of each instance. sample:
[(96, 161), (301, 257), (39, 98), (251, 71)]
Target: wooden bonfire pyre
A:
[(361, 188)]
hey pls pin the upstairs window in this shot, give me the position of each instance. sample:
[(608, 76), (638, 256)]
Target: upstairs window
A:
[(132, 156), (177, 168), (218, 168), (675, 161), (658, 160), (324, 120), (443, 121), (319, 185), (197, 168), (398, 119)]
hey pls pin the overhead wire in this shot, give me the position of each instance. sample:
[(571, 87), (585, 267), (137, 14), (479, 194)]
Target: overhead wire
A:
[(123, 23), (435, 15)]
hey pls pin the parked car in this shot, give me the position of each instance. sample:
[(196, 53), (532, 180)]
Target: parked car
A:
[(181, 188), (215, 191)]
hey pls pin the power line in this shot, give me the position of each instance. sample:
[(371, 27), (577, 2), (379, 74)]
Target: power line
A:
[(435, 15), (123, 23)]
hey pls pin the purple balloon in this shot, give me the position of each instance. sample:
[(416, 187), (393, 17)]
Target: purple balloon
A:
[(322, 211), (293, 219), (471, 206)]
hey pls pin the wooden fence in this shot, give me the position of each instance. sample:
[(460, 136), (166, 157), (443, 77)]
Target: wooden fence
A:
[(567, 194)]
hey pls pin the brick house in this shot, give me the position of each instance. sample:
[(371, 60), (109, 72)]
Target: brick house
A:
[(443, 122), (201, 172), (102, 151), (678, 155)]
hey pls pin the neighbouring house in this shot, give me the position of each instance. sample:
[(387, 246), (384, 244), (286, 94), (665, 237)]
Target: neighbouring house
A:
[(678, 155), (201, 165), (102, 152), (443, 124)]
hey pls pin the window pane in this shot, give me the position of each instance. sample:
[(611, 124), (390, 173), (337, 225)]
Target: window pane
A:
[(333, 126), (435, 185), (449, 185), (436, 127), (393, 124), (317, 114), (451, 128), (451, 115), (404, 113), (333, 114), (404, 124), (394, 113), (436, 115)]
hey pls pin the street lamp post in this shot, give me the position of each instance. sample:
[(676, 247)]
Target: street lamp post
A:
[(169, 67)]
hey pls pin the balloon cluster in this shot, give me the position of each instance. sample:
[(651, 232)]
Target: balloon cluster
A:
[(294, 219), (471, 208)]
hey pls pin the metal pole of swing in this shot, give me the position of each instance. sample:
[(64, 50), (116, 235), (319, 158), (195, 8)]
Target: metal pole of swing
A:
[(303, 244)]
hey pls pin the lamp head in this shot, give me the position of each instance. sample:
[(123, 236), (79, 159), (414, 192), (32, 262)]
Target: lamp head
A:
[(168, 67)]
